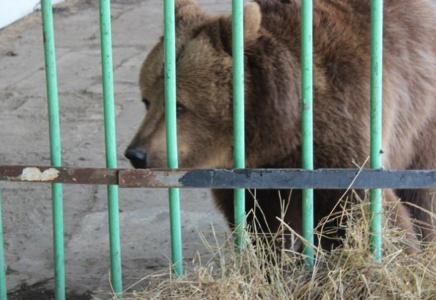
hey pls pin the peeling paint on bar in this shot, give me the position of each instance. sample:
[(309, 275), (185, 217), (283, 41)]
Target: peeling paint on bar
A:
[(34, 174)]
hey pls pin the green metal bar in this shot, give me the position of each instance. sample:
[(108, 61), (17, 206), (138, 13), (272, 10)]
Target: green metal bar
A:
[(55, 146), (171, 132), (58, 240), (110, 143), (3, 288), (307, 118), (238, 113), (376, 122)]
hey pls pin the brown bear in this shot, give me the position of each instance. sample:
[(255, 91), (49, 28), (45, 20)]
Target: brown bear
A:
[(341, 36)]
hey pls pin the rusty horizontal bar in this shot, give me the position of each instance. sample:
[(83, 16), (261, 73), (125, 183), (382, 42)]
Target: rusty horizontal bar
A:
[(58, 174), (223, 178)]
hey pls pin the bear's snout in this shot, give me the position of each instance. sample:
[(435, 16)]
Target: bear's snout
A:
[(137, 157)]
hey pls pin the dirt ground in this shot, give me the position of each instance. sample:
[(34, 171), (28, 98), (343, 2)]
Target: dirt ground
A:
[(27, 221)]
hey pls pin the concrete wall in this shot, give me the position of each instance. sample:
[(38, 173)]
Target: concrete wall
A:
[(12, 10)]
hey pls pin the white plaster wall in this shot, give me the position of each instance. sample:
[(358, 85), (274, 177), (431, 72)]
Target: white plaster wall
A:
[(12, 10)]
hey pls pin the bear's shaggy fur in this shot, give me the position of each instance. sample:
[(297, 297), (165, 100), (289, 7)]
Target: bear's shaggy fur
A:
[(273, 99)]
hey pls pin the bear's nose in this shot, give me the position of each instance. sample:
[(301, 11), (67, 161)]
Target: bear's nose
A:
[(137, 157)]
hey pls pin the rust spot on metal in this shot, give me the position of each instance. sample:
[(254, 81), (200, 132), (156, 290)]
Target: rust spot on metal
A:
[(137, 178), (155, 178)]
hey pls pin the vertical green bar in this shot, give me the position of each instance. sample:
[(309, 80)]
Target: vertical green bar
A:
[(3, 288), (111, 150), (238, 113), (55, 145), (307, 118), (171, 131), (376, 121)]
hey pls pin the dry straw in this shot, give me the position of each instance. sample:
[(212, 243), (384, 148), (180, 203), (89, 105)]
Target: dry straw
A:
[(348, 272)]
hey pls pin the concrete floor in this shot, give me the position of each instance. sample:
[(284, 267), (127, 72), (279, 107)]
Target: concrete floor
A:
[(137, 25)]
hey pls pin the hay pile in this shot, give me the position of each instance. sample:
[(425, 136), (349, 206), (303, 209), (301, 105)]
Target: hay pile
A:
[(346, 273)]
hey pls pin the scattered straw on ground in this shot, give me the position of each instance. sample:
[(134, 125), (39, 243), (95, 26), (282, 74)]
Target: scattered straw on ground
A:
[(349, 272)]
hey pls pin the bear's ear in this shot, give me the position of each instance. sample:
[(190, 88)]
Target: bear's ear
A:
[(188, 14), (252, 22)]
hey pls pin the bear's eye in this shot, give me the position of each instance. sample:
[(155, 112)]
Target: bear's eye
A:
[(146, 102), (180, 109)]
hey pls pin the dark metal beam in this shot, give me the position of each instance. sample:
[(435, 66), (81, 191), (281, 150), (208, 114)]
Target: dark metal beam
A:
[(221, 178), (279, 178)]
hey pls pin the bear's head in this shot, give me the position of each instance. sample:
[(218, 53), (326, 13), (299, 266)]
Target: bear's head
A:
[(204, 91)]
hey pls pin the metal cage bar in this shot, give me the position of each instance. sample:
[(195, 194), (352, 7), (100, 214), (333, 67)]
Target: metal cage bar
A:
[(110, 144), (307, 118), (227, 178), (3, 288), (238, 113), (171, 132), (55, 146), (376, 122)]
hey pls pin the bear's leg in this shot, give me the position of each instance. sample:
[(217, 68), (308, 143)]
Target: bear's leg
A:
[(422, 211), (223, 199), (266, 215), (400, 218), (328, 218), (423, 206)]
